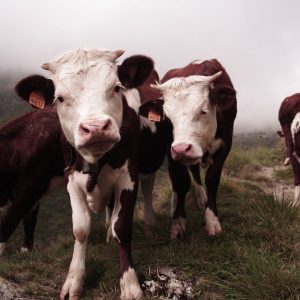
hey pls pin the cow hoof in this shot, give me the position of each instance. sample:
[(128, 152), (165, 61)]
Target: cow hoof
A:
[(73, 286), (2, 248), (177, 228), (201, 196), (213, 226), (130, 287), (109, 234)]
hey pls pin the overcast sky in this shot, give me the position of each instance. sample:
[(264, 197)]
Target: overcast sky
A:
[(257, 41)]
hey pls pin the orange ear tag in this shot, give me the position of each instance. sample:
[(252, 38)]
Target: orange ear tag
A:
[(37, 99), (154, 116)]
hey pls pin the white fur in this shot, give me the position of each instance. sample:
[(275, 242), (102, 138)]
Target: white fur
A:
[(134, 101), (213, 226), (147, 184), (297, 195), (186, 98), (130, 287), (197, 62), (286, 161), (201, 196), (81, 229), (178, 228), (86, 79), (295, 127), (2, 248)]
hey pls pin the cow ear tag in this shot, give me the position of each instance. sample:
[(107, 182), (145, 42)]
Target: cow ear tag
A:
[(37, 99), (154, 116)]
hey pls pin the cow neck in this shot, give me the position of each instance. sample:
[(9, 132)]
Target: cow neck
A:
[(74, 161)]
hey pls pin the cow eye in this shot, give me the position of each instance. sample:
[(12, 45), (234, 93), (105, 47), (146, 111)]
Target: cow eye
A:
[(60, 99), (117, 89), (203, 112)]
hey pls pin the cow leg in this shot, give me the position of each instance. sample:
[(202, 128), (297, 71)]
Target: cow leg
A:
[(29, 222), (108, 215), (181, 183), (212, 181), (200, 192), (147, 184), (122, 220), (296, 171), (81, 218), (25, 198)]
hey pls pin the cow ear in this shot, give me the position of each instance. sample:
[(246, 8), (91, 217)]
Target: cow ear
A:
[(37, 90), (135, 70), (222, 95), (152, 110)]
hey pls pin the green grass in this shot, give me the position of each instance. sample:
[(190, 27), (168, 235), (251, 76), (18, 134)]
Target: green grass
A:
[(257, 256)]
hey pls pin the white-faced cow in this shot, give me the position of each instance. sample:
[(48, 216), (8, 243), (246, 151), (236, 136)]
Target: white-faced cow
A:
[(31, 159), (200, 103), (289, 118), (102, 132)]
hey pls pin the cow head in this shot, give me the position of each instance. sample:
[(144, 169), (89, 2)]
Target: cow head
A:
[(190, 103), (87, 90)]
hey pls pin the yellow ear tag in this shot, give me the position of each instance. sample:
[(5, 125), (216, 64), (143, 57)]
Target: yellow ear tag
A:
[(154, 116), (37, 99)]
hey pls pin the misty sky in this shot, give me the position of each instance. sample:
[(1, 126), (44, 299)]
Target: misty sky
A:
[(257, 41)]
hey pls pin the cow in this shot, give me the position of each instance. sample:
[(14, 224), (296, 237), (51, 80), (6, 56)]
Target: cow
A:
[(101, 129), (289, 119), (199, 101), (31, 162)]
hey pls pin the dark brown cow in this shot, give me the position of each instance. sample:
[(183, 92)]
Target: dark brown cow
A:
[(92, 97), (289, 118), (31, 158), (200, 103)]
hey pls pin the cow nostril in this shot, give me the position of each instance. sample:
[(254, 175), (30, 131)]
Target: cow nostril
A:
[(84, 129), (188, 148), (106, 125)]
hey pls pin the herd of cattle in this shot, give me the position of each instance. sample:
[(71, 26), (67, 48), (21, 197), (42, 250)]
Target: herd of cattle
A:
[(103, 127)]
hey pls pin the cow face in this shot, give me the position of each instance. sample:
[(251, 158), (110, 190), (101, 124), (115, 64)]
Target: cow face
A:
[(88, 96), (192, 112)]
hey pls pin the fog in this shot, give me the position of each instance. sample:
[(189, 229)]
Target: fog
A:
[(258, 42)]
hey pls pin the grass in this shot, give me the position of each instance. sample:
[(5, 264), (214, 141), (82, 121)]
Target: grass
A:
[(257, 256)]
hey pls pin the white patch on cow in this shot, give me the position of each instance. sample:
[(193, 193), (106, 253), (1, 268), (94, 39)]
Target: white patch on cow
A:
[(123, 182), (81, 228), (192, 115), (295, 127), (213, 226), (147, 184), (201, 196), (297, 195), (146, 123), (286, 161), (133, 99), (130, 287), (108, 214), (178, 228), (2, 248), (86, 79)]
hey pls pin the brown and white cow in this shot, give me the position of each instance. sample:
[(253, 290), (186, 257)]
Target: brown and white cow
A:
[(289, 118), (31, 161), (200, 102), (102, 132)]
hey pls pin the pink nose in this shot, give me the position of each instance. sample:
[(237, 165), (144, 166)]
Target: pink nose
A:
[(182, 151), (93, 129)]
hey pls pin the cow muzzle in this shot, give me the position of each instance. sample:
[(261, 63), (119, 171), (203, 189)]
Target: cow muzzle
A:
[(185, 153), (98, 134)]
